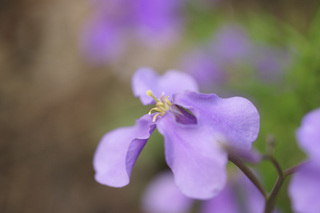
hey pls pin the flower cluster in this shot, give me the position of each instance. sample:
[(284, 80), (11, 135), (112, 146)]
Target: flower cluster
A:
[(196, 128), (232, 54), (115, 22)]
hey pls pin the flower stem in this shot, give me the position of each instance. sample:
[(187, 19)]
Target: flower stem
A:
[(271, 200), (249, 174), (293, 169)]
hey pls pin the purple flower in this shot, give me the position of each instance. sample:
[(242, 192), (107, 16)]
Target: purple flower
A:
[(304, 187), (163, 196), (194, 127)]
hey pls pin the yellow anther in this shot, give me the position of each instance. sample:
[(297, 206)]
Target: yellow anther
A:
[(149, 93)]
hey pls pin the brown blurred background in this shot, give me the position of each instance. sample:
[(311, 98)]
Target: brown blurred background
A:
[(53, 105)]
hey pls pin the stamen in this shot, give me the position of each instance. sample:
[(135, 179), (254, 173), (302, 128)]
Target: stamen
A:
[(156, 109), (155, 117), (168, 102), (162, 105), (149, 93)]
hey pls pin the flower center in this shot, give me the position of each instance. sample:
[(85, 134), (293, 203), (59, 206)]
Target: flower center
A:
[(162, 105)]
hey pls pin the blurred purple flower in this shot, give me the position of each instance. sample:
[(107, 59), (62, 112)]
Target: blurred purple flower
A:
[(163, 196), (271, 62), (228, 53), (194, 126), (308, 134), (304, 187), (205, 69), (102, 41), (231, 44), (153, 21), (157, 18)]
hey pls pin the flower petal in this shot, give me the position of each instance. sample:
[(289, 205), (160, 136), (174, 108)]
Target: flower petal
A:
[(171, 82), (308, 134), (196, 160), (118, 151), (233, 120), (163, 196), (304, 189)]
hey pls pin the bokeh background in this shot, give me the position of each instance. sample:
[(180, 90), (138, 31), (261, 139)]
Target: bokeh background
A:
[(62, 88)]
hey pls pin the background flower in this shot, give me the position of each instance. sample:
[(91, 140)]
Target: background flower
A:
[(304, 186), (239, 195)]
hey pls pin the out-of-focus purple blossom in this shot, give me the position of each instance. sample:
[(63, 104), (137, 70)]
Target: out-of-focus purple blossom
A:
[(238, 196), (153, 22), (304, 187), (194, 126), (271, 63), (308, 135), (232, 53), (163, 196), (231, 44), (205, 70), (157, 18), (102, 41)]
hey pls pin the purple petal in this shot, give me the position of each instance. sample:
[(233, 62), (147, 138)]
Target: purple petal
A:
[(304, 189), (118, 151), (232, 120), (171, 82), (251, 156), (225, 201), (163, 196), (196, 160), (308, 134)]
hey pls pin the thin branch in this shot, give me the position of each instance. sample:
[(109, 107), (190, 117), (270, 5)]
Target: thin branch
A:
[(249, 174), (274, 193), (293, 169)]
